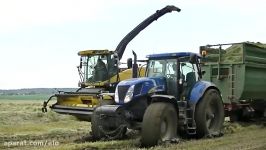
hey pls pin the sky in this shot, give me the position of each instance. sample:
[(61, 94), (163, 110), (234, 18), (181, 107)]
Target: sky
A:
[(40, 39)]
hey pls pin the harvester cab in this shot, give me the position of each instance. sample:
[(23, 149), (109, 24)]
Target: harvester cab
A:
[(98, 68)]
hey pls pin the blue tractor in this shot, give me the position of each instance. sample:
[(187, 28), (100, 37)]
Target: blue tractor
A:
[(171, 100)]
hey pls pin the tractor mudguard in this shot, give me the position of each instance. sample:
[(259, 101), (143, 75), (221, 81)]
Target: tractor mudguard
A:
[(165, 98), (198, 91), (108, 110), (162, 96)]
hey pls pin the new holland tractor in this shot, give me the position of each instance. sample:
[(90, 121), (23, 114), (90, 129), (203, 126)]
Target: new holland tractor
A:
[(171, 99), (188, 94), (100, 73)]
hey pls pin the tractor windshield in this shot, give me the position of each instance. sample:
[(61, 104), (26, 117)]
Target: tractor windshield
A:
[(97, 68), (188, 72), (165, 67)]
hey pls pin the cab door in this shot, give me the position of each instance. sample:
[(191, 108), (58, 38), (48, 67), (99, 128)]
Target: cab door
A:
[(188, 77)]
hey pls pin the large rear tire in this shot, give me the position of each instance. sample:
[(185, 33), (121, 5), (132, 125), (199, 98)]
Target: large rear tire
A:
[(159, 124), (209, 114)]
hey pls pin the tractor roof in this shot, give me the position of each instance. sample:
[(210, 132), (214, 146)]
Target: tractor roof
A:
[(94, 52), (171, 55)]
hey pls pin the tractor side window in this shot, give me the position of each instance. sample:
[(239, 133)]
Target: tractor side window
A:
[(171, 68), (171, 76), (189, 72)]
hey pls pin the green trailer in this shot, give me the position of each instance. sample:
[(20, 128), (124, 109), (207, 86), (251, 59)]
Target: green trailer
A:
[(239, 71)]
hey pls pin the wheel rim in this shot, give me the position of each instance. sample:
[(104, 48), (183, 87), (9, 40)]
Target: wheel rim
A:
[(210, 119), (211, 114)]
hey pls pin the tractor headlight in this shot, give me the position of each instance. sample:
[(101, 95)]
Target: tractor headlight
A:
[(116, 95), (129, 94)]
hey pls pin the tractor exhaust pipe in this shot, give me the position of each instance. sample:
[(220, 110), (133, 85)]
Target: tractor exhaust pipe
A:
[(135, 66)]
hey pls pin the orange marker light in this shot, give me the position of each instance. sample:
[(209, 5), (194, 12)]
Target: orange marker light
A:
[(203, 53)]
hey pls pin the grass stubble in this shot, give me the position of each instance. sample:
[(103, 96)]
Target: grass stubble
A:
[(24, 126)]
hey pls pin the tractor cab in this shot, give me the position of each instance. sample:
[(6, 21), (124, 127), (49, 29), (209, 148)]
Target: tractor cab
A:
[(180, 70), (172, 74)]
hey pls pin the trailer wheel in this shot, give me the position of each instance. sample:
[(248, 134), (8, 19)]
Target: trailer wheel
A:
[(159, 124), (209, 114)]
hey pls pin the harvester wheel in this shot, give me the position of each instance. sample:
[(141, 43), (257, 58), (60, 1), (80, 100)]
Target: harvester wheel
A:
[(209, 114), (159, 124)]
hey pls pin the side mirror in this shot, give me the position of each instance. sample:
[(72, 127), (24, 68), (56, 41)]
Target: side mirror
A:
[(129, 63), (193, 58), (203, 72), (116, 62)]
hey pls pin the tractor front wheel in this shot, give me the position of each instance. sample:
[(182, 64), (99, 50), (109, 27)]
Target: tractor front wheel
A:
[(159, 124), (107, 128)]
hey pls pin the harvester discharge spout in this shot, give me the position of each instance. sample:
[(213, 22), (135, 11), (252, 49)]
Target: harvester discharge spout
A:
[(123, 44)]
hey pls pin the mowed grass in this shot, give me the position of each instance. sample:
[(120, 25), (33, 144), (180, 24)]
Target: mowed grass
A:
[(24, 97), (22, 121), (238, 137)]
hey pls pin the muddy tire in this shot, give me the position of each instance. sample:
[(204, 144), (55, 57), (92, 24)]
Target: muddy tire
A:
[(101, 129), (159, 124), (209, 115), (95, 130)]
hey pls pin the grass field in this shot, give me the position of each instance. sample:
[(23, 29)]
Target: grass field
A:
[(25, 97), (24, 126)]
